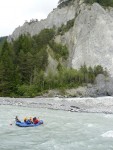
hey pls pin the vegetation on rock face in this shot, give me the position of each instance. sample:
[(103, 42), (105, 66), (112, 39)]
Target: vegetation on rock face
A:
[(59, 50), (106, 3), (63, 3), (101, 2), (65, 28)]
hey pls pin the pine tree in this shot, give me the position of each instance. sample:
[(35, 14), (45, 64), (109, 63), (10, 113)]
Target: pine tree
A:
[(7, 83)]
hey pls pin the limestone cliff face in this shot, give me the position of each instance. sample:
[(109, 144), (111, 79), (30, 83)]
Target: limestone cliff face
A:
[(90, 40), (93, 38)]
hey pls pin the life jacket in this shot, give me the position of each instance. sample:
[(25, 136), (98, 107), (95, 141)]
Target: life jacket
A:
[(36, 121), (31, 119), (28, 121)]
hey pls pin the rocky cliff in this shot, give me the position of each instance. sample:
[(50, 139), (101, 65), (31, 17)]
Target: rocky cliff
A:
[(89, 41), (56, 18)]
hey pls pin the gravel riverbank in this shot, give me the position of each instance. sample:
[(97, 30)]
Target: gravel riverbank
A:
[(98, 105)]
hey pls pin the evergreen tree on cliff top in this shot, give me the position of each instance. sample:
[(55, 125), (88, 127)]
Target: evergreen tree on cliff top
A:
[(101, 2), (61, 1)]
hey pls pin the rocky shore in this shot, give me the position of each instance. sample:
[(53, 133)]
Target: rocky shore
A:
[(93, 105), (90, 98)]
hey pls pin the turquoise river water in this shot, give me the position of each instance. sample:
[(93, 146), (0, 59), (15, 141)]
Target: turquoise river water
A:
[(61, 130)]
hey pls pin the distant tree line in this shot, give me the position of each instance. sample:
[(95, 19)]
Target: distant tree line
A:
[(63, 79)]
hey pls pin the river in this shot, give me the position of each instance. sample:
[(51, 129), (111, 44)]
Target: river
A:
[(62, 130)]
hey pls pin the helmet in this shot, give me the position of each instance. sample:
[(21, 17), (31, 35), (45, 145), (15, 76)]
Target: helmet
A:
[(34, 118), (25, 118)]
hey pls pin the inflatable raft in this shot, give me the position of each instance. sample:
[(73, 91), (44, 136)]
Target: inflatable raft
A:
[(23, 124)]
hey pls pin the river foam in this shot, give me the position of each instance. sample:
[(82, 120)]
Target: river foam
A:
[(108, 134)]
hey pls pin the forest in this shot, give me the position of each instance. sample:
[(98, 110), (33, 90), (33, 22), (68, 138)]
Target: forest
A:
[(24, 61)]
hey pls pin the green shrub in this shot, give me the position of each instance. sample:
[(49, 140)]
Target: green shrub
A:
[(27, 91), (65, 28), (59, 50)]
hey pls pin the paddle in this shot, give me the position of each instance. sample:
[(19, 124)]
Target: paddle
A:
[(12, 123)]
